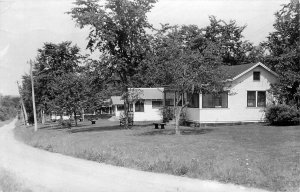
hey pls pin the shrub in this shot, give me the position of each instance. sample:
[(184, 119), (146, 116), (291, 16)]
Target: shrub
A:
[(168, 114), (65, 123), (183, 118), (282, 115)]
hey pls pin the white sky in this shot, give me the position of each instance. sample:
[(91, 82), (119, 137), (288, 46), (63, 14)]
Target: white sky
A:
[(26, 24)]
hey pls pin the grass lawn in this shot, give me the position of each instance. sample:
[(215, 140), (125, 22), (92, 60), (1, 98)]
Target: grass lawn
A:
[(251, 155)]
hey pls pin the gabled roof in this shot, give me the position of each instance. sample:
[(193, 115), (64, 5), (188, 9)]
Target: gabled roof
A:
[(235, 71), (116, 100), (144, 93), (150, 93)]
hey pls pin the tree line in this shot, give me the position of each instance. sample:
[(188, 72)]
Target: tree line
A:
[(9, 107), (133, 53)]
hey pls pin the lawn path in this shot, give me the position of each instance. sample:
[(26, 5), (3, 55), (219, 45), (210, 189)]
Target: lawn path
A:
[(45, 171)]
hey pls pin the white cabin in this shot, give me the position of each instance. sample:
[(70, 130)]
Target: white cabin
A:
[(244, 101), (148, 106)]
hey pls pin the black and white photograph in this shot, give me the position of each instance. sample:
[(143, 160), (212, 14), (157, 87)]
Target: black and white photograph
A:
[(149, 96)]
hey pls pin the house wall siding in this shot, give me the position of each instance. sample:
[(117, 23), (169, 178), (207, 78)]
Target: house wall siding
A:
[(117, 112), (149, 113), (237, 110)]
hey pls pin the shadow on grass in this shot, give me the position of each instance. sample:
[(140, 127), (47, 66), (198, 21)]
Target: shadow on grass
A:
[(56, 126), (50, 126), (172, 132), (93, 129)]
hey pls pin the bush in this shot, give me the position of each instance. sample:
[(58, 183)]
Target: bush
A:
[(282, 115), (183, 118), (168, 114), (65, 123)]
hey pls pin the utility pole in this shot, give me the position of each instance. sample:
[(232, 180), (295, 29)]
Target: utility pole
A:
[(33, 99)]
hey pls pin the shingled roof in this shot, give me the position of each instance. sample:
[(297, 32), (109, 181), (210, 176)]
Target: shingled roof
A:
[(145, 93), (117, 100), (234, 71), (151, 93)]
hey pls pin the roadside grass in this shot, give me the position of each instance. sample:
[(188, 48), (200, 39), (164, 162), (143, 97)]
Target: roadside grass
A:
[(252, 155), (9, 183)]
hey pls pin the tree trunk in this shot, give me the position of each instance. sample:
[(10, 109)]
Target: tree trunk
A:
[(75, 118), (178, 111), (43, 116), (126, 105), (24, 112), (82, 114), (23, 106), (23, 117)]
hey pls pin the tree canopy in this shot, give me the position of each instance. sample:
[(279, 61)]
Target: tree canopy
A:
[(284, 53), (118, 30), (9, 106), (228, 35), (185, 62), (56, 66), (133, 54)]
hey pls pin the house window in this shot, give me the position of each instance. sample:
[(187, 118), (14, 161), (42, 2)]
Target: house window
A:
[(215, 101), (139, 106), (261, 98), (120, 107), (169, 98), (157, 104), (193, 100), (256, 75), (253, 96)]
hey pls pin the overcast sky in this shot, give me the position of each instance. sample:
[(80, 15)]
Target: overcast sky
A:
[(26, 24)]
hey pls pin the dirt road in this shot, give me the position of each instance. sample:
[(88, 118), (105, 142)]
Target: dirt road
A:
[(45, 171)]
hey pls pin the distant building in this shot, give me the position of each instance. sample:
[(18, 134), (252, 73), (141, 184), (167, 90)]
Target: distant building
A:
[(147, 107)]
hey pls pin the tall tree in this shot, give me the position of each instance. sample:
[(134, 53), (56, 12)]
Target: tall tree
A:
[(26, 94), (229, 37), (24, 111), (53, 61), (99, 87), (182, 68), (284, 53), (70, 93), (118, 29)]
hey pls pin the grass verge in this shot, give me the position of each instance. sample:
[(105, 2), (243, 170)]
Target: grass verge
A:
[(252, 155)]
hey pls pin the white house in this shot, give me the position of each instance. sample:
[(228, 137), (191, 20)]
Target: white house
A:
[(117, 105), (244, 101), (146, 108), (55, 116)]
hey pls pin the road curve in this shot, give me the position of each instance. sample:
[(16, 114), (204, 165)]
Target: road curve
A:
[(45, 171)]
